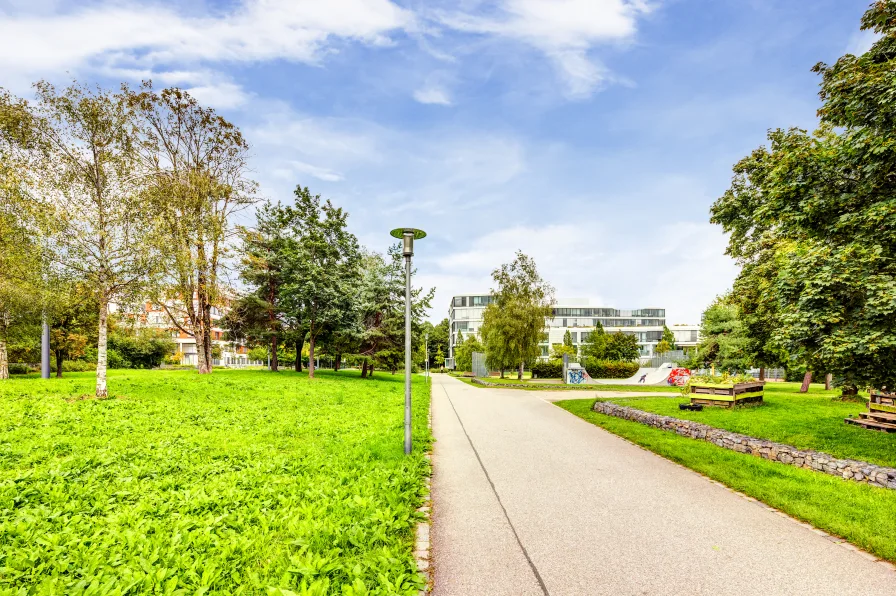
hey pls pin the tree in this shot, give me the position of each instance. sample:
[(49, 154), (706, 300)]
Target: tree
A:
[(82, 166), (559, 350), (197, 163), (259, 316), (662, 347), (464, 353), (669, 338), (516, 316), (825, 200), (72, 315), (438, 339), (622, 347), (596, 343), (440, 358), (722, 340), (321, 274)]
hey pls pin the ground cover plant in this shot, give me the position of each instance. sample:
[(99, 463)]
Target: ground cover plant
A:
[(859, 513), (240, 482), (812, 420)]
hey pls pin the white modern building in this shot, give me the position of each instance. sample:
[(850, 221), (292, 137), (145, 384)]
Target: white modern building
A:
[(576, 316)]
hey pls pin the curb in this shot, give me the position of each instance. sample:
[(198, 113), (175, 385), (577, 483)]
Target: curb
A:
[(422, 541)]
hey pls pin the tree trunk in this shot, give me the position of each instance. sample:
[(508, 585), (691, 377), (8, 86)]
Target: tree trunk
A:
[(4, 359), (519, 374), (201, 364), (364, 369), (370, 371), (298, 356), (337, 362), (310, 356), (828, 379), (59, 359), (502, 372), (275, 364), (761, 373), (849, 391), (807, 378), (101, 358)]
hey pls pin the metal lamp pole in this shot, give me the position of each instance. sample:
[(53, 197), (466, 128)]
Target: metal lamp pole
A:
[(407, 235)]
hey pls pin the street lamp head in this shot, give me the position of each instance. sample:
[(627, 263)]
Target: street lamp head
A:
[(408, 235)]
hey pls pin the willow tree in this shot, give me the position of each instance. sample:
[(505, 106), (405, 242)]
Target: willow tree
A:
[(82, 171), (197, 164), (515, 319)]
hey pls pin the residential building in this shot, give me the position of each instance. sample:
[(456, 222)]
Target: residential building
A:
[(152, 315), (686, 336), (576, 316)]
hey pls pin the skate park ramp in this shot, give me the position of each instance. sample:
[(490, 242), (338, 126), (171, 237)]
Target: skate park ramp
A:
[(655, 376)]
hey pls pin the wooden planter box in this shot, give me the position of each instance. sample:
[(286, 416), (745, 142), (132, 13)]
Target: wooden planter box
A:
[(727, 395), (881, 414)]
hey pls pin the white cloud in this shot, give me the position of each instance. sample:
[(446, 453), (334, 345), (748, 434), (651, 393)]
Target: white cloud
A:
[(564, 30), (432, 95), (659, 264), (300, 167), (222, 95), (298, 30)]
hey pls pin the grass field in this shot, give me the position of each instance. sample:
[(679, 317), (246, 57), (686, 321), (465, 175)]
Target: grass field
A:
[(811, 420), (861, 514), (239, 482), (515, 384)]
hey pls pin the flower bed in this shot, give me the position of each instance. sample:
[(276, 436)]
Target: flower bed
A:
[(726, 395)]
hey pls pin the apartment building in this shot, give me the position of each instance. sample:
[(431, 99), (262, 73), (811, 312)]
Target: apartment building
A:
[(576, 316), (153, 315)]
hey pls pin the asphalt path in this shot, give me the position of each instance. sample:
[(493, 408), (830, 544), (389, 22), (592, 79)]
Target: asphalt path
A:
[(530, 499)]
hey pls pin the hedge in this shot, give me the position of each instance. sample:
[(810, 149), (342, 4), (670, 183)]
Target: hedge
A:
[(598, 369), (610, 369)]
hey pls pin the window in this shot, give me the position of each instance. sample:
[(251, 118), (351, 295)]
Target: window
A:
[(586, 336), (575, 337), (460, 301), (480, 300)]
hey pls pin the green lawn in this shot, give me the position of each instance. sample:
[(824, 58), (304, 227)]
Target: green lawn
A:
[(515, 384), (237, 482), (811, 420), (861, 514)]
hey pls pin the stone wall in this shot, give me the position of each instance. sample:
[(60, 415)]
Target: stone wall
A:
[(848, 469)]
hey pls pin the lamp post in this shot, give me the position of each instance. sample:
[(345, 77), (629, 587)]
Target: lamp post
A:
[(407, 235)]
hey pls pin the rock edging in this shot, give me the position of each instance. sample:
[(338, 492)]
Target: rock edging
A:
[(848, 469)]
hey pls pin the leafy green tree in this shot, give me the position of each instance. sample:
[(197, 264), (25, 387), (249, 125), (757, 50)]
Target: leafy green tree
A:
[(622, 347), (72, 315), (321, 273), (440, 358), (595, 345), (722, 340), (196, 164), (464, 353), (825, 201), (669, 338), (515, 318), (84, 177), (662, 347), (559, 350)]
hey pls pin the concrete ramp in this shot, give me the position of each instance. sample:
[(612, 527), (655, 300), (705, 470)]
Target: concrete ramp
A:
[(655, 376)]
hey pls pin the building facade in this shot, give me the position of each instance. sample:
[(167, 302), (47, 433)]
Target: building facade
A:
[(156, 316), (465, 315)]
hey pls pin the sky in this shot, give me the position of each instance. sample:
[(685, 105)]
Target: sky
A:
[(593, 135)]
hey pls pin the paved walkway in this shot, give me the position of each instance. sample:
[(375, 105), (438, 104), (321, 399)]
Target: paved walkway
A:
[(529, 499)]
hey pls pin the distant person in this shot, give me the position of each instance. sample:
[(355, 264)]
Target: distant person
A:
[(643, 378)]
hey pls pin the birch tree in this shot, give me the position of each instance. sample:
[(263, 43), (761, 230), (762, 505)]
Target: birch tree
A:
[(198, 165), (83, 172)]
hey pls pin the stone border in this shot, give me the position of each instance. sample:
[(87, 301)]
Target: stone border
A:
[(422, 542), (848, 469)]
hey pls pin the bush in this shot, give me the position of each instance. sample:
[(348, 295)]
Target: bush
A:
[(17, 368), (551, 369), (610, 369), (116, 360)]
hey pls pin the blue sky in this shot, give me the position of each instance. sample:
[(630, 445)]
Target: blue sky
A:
[(591, 134)]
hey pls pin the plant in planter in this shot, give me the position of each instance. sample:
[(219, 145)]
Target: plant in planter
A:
[(724, 391)]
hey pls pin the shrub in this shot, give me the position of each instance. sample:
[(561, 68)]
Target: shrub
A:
[(258, 353), (610, 369), (116, 360), (146, 349), (551, 369), (17, 368), (73, 365)]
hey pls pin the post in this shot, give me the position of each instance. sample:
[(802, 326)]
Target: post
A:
[(407, 236), (426, 355), (45, 350), (407, 355)]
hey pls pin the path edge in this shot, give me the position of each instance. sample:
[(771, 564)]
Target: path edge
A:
[(422, 541)]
